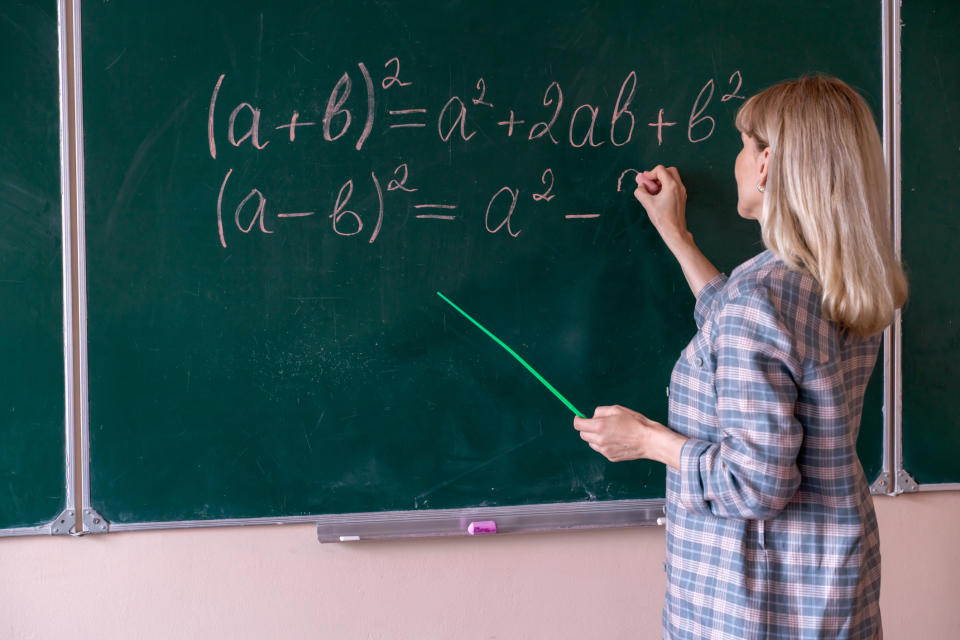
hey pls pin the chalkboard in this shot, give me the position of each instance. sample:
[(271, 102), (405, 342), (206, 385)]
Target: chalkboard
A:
[(276, 191), (931, 218), (32, 431)]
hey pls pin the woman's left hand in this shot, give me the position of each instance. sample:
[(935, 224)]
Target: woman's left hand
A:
[(620, 434)]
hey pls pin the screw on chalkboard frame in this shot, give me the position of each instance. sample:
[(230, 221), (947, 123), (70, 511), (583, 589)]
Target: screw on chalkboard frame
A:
[(93, 522), (64, 524), (905, 483), (881, 486)]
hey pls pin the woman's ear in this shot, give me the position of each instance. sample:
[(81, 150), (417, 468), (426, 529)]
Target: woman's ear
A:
[(764, 164)]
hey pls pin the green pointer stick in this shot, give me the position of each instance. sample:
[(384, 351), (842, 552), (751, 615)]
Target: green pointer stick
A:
[(515, 355)]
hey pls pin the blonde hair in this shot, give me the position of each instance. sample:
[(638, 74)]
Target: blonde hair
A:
[(825, 207)]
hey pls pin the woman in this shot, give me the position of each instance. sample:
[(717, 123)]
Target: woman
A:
[(770, 526)]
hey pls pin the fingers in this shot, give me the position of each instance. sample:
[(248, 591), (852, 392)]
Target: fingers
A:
[(589, 430), (666, 176), (653, 182), (663, 175), (593, 423), (643, 196), (589, 427), (647, 187), (605, 450), (597, 443), (602, 412), (600, 432), (648, 182), (598, 423), (590, 438)]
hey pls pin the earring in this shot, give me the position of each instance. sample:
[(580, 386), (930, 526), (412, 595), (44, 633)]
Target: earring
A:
[(761, 188)]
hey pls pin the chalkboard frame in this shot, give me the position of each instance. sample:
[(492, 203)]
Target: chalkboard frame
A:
[(885, 483), (65, 523), (538, 517)]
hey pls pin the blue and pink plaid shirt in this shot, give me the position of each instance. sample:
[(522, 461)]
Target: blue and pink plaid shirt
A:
[(771, 532)]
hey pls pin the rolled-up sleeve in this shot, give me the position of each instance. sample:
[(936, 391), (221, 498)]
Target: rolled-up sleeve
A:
[(706, 297), (751, 473)]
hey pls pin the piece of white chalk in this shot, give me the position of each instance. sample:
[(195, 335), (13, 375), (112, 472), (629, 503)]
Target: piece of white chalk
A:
[(349, 538), (482, 527)]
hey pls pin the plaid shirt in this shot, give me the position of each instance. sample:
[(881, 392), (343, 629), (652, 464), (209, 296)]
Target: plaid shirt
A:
[(770, 526)]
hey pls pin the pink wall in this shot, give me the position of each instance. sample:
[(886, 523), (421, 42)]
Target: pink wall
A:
[(279, 582)]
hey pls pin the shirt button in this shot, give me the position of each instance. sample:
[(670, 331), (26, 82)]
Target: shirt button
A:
[(698, 361)]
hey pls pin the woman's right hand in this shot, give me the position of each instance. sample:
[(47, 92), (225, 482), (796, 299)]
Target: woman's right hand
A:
[(668, 212), (667, 208)]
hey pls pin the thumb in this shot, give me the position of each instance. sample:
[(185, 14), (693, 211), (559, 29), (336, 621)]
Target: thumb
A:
[(603, 412)]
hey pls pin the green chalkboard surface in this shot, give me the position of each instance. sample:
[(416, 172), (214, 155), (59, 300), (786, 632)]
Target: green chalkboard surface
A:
[(32, 433), (276, 191), (931, 219)]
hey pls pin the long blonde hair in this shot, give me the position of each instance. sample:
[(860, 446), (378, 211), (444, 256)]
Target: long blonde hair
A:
[(825, 206)]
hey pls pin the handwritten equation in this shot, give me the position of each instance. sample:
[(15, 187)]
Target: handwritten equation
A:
[(586, 125)]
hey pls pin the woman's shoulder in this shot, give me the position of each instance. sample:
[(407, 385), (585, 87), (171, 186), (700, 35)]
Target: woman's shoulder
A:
[(785, 297), (766, 276)]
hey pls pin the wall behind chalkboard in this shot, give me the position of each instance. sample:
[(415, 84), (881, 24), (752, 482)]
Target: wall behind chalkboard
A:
[(275, 193)]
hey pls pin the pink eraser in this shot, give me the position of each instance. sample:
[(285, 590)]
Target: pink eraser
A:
[(482, 527), (652, 185)]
